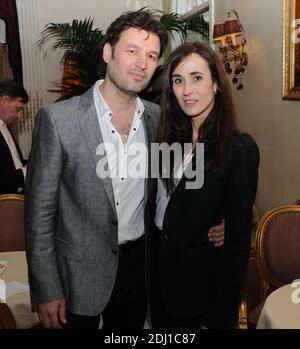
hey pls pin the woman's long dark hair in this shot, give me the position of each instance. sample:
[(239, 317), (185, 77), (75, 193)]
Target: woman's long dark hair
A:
[(218, 128)]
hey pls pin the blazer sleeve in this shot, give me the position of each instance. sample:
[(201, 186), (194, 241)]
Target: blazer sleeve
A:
[(41, 203), (240, 194)]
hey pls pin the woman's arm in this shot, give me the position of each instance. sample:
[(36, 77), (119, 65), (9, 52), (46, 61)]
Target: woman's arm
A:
[(241, 186)]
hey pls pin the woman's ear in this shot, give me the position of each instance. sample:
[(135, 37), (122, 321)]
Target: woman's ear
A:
[(107, 52)]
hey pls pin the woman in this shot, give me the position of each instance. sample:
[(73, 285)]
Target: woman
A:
[(194, 284)]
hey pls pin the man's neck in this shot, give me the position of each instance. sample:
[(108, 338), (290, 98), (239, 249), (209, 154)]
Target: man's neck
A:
[(117, 100)]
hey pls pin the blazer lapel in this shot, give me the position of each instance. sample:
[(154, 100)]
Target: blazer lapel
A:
[(91, 132), (7, 150), (3, 143), (17, 147), (150, 138)]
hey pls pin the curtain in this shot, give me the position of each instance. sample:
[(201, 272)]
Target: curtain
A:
[(181, 7), (8, 13), (5, 69)]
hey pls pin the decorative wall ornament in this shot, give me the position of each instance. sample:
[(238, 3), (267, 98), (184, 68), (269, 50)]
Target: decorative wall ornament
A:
[(291, 50)]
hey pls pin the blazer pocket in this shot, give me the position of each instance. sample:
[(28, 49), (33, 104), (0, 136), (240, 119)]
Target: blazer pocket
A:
[(66, 249)]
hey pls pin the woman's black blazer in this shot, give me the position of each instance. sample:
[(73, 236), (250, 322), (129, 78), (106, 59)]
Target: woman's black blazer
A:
[(196, 278)]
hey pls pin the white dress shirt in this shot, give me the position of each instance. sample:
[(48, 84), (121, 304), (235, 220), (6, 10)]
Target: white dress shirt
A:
[(12, 147), (128, 192), (162, 197)]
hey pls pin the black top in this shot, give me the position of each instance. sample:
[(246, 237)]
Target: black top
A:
[(10, 178)]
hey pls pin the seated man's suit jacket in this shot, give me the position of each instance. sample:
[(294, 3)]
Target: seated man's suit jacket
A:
[(10, 178)]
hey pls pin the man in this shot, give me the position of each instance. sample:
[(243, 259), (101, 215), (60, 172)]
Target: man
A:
[(13, 98), (86, 233)]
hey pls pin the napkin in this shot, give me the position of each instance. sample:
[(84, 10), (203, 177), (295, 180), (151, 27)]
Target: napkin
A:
[(3, 266), (15, 287)]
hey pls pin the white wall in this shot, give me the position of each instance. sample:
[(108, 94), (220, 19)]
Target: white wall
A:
[(60, 11), (274, 123)]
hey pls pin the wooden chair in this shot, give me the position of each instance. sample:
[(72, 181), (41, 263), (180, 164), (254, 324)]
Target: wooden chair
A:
[(277, 248), (12, 223), (7, 320), (251, 292)]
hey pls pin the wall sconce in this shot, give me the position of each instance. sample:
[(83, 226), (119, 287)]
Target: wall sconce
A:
[(234, 57)]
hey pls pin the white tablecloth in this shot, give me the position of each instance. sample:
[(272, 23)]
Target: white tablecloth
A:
[(281, 310), (19, 304)]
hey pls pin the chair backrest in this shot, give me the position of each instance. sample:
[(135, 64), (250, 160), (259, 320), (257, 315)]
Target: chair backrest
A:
[(7, 320), (12, 223), (278, 245)]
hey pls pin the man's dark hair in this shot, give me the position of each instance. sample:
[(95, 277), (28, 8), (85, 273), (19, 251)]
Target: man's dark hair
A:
[(141, 19), (13, 90)]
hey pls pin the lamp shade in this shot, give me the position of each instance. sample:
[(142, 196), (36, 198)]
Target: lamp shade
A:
[(232, 27), (219, 31)]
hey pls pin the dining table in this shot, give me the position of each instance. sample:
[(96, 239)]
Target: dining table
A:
[(14, 279), (282, 308)]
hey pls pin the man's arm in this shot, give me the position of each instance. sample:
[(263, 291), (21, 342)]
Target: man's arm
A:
[(52, 314), (41, 207)]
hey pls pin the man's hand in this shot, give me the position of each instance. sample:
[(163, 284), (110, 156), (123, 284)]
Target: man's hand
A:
[(216, 234), (52, 314)]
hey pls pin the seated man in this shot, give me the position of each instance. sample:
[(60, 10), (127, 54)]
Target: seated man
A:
[(13, 98)]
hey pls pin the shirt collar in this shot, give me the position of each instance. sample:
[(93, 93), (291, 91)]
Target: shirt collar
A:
[(105, 111), (139, 107), (2, 125)]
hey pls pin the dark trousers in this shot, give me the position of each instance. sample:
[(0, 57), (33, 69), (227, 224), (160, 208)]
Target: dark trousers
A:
[(127, 307), (161, 319)]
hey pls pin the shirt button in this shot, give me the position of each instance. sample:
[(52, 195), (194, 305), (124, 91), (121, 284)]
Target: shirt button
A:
[(166, 236), (114, 222), (114, 251)]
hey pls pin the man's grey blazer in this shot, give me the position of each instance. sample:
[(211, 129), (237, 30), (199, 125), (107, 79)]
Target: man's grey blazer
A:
[(71, 223)]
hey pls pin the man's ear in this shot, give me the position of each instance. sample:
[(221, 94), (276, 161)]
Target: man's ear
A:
[(3, 99), (107, 52)]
